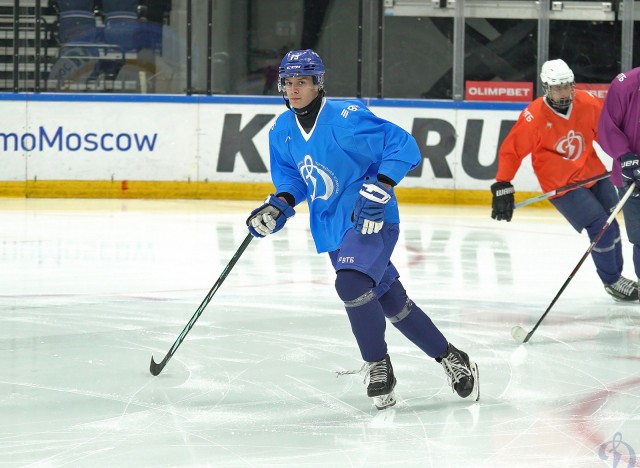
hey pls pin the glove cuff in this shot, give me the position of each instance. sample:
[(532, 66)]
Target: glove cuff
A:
[(500, 189), (630, 159), (375, 192), (280, 205)]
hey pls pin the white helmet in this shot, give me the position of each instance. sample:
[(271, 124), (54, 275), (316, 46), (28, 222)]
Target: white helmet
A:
[(557, 73)]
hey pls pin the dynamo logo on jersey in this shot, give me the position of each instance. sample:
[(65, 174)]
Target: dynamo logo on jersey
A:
[(570, 146), (319, 178)]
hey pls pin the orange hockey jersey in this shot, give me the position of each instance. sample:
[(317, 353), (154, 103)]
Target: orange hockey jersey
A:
[(561, 146)]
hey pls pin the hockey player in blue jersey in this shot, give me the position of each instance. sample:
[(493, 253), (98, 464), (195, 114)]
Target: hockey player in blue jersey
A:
[(345, 162)]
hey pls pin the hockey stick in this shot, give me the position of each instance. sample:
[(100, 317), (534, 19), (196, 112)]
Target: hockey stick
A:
[(519, 334), (156, 368), (551, 193)]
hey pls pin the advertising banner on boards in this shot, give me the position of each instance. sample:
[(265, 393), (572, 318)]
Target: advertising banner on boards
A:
[(186, 139)]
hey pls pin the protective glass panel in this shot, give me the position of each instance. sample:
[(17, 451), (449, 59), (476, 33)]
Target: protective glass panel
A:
[(593, 57), (235, 46), (113, 46), (418, 57), (276, 26), (500, 49)]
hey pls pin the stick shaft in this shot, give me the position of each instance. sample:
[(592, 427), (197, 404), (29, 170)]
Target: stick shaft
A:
[(604, 228), (154, 368), (551, 193)]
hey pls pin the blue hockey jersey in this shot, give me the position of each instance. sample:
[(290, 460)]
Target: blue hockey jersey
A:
[(348, 146)]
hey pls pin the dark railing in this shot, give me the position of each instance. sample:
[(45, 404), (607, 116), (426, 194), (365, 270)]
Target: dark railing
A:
[(23, 51), (16, 50)]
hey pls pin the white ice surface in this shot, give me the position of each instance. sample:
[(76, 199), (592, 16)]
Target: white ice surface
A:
[(89, 290)]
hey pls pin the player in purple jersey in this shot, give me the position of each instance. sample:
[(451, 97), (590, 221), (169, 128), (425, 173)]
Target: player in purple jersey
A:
[(346, 162), (619, 136)]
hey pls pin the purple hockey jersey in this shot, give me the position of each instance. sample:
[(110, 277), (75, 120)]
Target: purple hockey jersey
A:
[(619, 125)]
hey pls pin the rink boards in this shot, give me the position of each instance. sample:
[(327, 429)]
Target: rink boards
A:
[(142, 146)]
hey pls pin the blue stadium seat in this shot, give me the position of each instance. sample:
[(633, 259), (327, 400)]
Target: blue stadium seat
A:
[(76, 21), (122, 25)]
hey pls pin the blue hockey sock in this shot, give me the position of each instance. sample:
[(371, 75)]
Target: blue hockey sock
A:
[(412, 321), (364, 312), (607, 254)]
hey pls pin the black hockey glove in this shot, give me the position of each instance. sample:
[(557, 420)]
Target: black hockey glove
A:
[(630, 164), (503, 201)]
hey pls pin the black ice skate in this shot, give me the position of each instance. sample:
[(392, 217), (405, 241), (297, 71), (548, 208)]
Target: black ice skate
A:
[(462, 373), (381, 383), (623, 290)]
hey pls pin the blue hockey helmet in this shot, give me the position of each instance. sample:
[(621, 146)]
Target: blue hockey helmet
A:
[(301, 63)]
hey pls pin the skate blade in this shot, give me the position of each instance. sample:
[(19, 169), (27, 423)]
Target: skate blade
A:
[(384, 401), (475, 393), (618, 297)]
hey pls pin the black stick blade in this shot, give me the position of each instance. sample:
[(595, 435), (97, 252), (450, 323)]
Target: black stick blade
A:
[(154, 368)]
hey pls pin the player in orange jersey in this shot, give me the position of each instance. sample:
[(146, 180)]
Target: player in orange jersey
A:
[(558, 130)]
